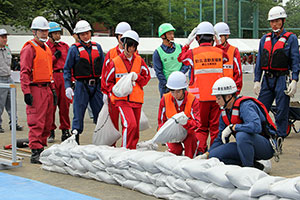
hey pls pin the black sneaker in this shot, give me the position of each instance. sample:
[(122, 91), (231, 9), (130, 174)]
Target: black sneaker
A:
[(258, 165), (65, 134), (18, 127), (51, 137), (1, 130)]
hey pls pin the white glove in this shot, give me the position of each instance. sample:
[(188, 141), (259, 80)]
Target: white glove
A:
[(203, 156), (134, 76), (226, 133), (256, 88), (105, 99), (191, 36), (182, 120), (217, 38), (291, 90), (69, 93)]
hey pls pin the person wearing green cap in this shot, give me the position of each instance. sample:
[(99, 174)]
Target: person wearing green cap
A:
[(165, 57)]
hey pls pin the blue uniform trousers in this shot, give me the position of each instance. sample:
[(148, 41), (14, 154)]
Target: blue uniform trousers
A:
[(273, 88), (81, 99), (243, 152)]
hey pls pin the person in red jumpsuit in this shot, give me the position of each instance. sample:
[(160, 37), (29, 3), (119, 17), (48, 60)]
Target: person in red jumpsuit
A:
[(176, 101), (59, 51), (207, 66), (121, 28), (131, 105), (38, 88)]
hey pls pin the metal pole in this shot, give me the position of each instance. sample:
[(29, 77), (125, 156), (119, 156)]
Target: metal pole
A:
[(240, 19), (226, 11), (223, 10), (200, 11), (13, 122), (255, 21), (184, 10), (170, 10), (215, 12)]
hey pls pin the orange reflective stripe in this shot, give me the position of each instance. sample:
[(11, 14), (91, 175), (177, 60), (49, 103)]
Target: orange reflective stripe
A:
[(170, 105), (208, 67), (42, 63), (228, 67), (137, 94)]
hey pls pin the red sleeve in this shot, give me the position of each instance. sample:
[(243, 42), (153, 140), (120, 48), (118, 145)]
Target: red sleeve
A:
[(104, 71), (162, 118), (109, 78), (237, 70), (186, 57), (26, 63), (193, 123), (144, 76)]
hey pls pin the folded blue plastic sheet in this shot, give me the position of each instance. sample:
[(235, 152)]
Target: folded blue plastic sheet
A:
[(15, 187)]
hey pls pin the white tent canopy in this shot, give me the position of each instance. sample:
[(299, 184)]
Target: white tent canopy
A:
[(146, 46)]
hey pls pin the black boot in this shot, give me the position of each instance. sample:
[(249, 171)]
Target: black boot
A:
[(77, 138), (18, 127), (258, 165), (51, 137), (35, 156), (65, 134)]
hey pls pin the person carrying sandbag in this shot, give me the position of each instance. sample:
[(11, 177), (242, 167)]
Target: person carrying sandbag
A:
[(247, 119), (176, 101), (128, 96)]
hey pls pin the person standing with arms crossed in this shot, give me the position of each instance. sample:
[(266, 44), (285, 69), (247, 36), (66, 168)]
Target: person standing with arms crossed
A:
[(59, 51), (278, 57), (38, 88)]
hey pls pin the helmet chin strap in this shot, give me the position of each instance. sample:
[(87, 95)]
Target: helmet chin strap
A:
[(40, 39), (226, 102), (170, 41)]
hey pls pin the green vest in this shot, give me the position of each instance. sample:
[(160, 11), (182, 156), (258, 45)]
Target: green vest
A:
[(169, 60)]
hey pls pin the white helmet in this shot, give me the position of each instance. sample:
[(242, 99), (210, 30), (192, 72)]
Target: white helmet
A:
[(222, 28), (205, 28), (130, 34), (177, 81), (3, 32), (224, 86), (276, 12), (122, 27), (40, 23), (82, 26)]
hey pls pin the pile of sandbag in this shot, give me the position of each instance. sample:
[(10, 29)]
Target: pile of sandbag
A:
[(165, 175)]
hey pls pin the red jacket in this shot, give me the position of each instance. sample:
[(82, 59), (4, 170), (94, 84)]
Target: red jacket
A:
[(63, 47), (192, 124)]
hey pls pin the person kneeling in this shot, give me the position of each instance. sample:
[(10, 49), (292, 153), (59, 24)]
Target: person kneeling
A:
[(176, 101), (248, 121)]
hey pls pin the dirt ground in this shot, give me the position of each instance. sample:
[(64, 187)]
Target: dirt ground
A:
[(287, 167)]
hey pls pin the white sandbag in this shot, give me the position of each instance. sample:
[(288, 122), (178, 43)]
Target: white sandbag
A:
[(119, 178), (77, 165), (144, 122), (286, 188), (181, 185), (139, 175), (197, 168), (76, 152), (93, 176), (213, 191), (147, 162), (197, 186), (134, 158), (105, 154), (49, 151), (298, 186), (158, 179), (89, 152), (88, 165), (168, 163), (178, 169), (124, 86), (145, 188), (105, 177), (54, 168), (267, 165), (72, 171), (163, 192), (130, 183), (181, 195), (45, 161), (244, 177), (238, 194), (268, 197), (105, 132), (64, 149), (99, 165), (217, 176), (146, 145), (56, 160), (171, 131), (263, 185), (120, 160)]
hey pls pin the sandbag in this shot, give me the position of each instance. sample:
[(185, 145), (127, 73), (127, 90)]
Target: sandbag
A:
[(263, 185), (197, 186), (286, 188), (213, 191), (217, 176), (239, 194), (145, 188), (124, 86), (245, 177), (105, 132), (268, 197), (144, 122), (163, 192), (171, 131)]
